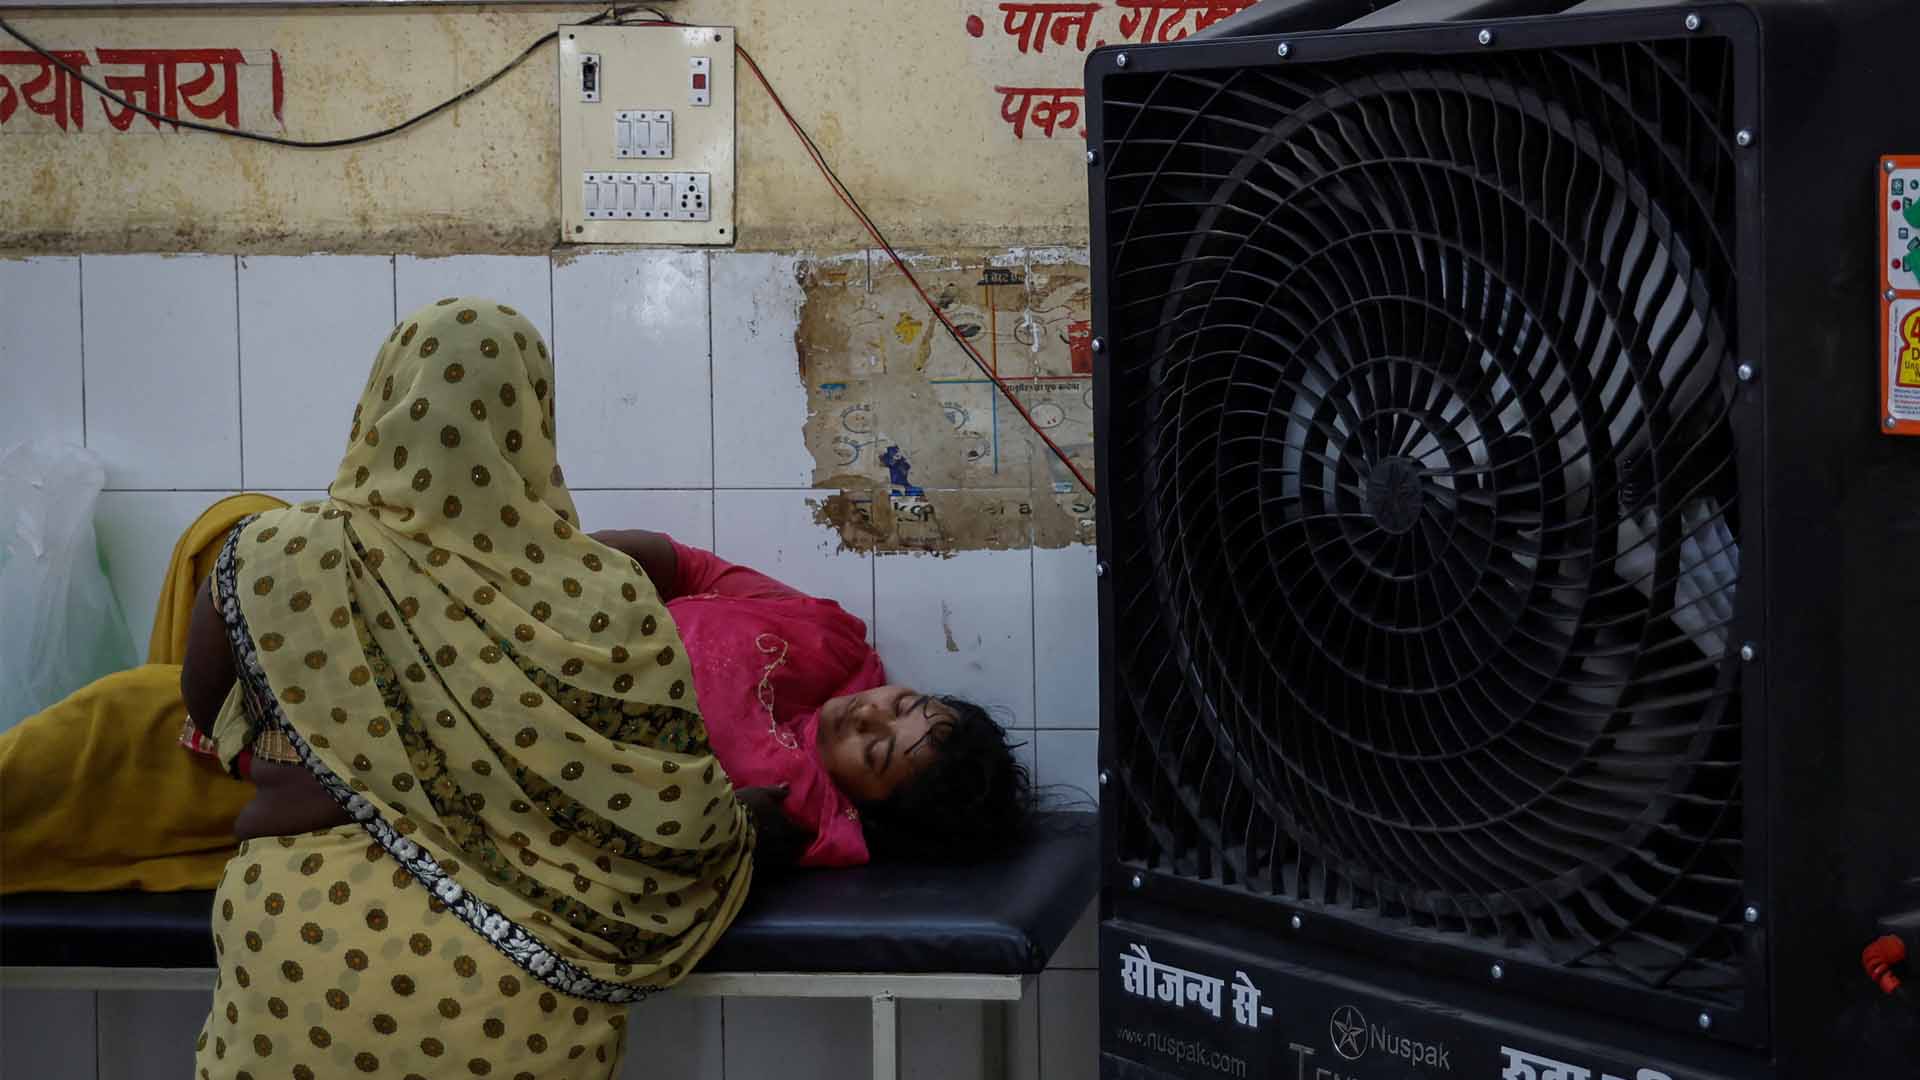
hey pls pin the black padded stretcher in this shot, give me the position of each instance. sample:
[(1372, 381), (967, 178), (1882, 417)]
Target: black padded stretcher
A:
[(998, 918), (885, 932)]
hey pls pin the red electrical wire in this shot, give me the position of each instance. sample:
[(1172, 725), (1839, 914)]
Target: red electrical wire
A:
[(853, 206)]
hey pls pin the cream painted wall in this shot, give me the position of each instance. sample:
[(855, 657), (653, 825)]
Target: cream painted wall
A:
[(898, 93)]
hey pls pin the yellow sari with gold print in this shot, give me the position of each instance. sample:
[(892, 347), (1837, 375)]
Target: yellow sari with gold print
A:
[(505, 708)]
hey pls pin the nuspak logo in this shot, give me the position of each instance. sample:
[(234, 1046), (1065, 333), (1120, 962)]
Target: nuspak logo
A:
[(1353, 1036), (1348, 1030)]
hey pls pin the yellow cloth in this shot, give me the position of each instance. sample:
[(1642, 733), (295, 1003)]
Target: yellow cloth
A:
[(335, 964), (501, 700), (96, 794), (191, 563)]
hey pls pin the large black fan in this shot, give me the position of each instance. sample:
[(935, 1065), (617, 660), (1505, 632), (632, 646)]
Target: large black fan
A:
[(1421, 382), (1507, 540)]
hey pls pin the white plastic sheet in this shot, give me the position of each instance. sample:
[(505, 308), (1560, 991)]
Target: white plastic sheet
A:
[(60, 625)]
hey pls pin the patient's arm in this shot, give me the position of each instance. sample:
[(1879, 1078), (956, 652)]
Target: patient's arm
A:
[(207, 674), (779, 840), (652, 550)]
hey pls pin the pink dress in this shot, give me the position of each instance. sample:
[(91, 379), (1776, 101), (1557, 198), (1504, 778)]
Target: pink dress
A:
[(765, 658)]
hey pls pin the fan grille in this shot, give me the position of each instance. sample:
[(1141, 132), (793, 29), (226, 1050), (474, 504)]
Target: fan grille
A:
[(1424, 491)]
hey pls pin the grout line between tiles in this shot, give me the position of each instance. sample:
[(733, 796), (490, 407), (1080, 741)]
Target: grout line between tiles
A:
[(177, 491), (1033, 570), (1039, 1026), (548, 322), (239, 378), (814, 489), (636, 490), (80, 267), (553, 318), (713, 419), (1033, 624)]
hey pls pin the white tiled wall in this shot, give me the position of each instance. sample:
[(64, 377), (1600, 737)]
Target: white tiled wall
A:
[(140, 1035), (680, 409), (137, 530), (962, 625), (308, 331), (40, 350), (687, 516), (632, 370), (774, 532), (523, 281), (756, 309), (677, 1037), (1067, 654), (160, 337), (48, 1033)]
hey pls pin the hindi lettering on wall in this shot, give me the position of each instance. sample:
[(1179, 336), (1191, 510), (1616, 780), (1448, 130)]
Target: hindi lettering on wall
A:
[(233, 88), (1055, 37)]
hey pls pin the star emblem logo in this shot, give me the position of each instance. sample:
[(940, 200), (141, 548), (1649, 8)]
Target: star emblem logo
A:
[(1348, 1030)]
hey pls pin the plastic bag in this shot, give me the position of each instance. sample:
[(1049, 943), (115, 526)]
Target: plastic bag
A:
[(60, 626)]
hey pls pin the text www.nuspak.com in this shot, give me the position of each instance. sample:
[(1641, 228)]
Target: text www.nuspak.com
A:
[(1185, 1051)]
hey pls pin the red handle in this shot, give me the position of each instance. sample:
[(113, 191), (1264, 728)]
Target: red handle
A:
[(1878, 959)]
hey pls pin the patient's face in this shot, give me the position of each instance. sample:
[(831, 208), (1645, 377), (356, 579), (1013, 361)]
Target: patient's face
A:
[(874, 741)]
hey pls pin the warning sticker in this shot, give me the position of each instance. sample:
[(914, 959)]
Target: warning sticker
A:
[(1903, 229), (1903, 360)]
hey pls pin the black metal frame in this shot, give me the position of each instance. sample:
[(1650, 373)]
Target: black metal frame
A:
[(1748, 1025)]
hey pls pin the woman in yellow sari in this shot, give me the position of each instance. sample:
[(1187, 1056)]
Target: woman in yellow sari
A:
[(501, 703)]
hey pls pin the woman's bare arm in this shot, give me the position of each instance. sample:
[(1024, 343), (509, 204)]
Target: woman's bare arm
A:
[(291, 800), (652, 550), (206, 675)]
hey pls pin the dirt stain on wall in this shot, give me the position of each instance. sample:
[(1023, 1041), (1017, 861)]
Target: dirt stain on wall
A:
[(925, 452)]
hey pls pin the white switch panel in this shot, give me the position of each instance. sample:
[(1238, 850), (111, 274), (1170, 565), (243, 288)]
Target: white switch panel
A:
[(666, 94), (643, 133), (629, 196)]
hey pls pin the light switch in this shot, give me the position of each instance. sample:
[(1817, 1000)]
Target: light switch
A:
[(590, 77), (644, 134), (698, 70), (647, 196)]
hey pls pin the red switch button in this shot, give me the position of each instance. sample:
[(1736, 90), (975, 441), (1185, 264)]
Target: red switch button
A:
[(699, 80)]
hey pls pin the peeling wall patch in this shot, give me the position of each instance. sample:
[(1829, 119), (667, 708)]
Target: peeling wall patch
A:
[(925, 452)]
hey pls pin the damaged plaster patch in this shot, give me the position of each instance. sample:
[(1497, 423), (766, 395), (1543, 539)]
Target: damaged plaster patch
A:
[(924, 452)]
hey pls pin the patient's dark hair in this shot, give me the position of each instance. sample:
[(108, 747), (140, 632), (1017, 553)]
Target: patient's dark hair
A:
[(973, 801)]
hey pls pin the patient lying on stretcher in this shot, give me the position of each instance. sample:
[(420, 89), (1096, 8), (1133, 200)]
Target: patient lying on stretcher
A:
[(799, 713), (836, 766)]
